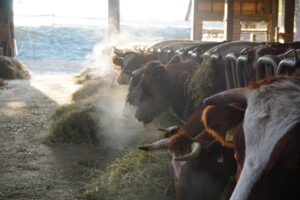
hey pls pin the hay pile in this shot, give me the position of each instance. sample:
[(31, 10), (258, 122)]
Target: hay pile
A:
[(98, 86), (202, 81), (137, 175), (11, 68), (85, 75), (75, 123), (204, 78), (78, 122)]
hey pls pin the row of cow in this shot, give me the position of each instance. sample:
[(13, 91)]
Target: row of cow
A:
[(245, 144)]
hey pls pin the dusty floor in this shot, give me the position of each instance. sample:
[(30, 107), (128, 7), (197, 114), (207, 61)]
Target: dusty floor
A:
[(30, 169)]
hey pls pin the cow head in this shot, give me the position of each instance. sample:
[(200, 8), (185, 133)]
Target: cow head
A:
[(147, 91), (200, 166), (270, 163), (129, 61), (182, 147)]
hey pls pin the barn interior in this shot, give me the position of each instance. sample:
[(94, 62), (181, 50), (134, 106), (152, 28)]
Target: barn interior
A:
[(67, 129)]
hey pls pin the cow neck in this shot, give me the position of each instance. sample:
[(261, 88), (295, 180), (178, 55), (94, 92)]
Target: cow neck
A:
[(264, 125), (193, 125), (177, 77)]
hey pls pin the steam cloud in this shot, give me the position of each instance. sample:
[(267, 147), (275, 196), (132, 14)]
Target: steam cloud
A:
[(116, 128)]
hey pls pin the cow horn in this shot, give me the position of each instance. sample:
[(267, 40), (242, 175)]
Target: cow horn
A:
[(119, 52), (196, 149), (236, 95), (141, 80), (139, 71), (168, 129), (160, 144)]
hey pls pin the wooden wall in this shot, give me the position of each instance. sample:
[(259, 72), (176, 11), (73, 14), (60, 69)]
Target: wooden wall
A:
[(244, 10)]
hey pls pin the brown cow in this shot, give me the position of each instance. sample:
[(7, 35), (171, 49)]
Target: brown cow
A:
[(267, 142), (131, 60), (156, 87)]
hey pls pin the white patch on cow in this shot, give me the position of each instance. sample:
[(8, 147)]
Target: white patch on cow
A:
[(128, 58), (177, 166), (271, 112)]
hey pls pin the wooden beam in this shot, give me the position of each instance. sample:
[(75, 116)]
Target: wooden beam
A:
[(297, 13), (195, 21), (113, 18), (289, 13), (7, 28), (228, 19)]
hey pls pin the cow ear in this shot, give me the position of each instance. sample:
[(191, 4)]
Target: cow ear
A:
[(221, 121), (118, 61), (158, 72), (119, 52)]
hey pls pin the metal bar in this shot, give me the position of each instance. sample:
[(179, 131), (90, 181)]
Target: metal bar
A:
[(263, 62), (288, 63), (242, 70)]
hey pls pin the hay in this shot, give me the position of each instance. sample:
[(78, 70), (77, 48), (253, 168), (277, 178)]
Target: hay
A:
[(79, 122), (11, 68), (85, 75), (137, 175), (75, 123), (203, 80), (93, 87)]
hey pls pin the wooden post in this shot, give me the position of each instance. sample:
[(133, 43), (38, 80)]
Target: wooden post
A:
[(7, 28), (297, 13), (194, 20), (228, 19), (289, 12), (113, 18)]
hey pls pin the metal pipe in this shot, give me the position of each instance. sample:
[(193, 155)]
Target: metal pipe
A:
[(288, 63), (242, 70), (230, 71), (265, 62)]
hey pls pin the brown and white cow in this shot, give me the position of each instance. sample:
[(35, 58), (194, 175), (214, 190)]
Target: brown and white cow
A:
[(267, 142), (202, 166)]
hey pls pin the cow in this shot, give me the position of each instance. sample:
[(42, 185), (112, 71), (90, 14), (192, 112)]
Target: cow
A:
[(202, 166), (129, 60), (157, 87), (267, 140)]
